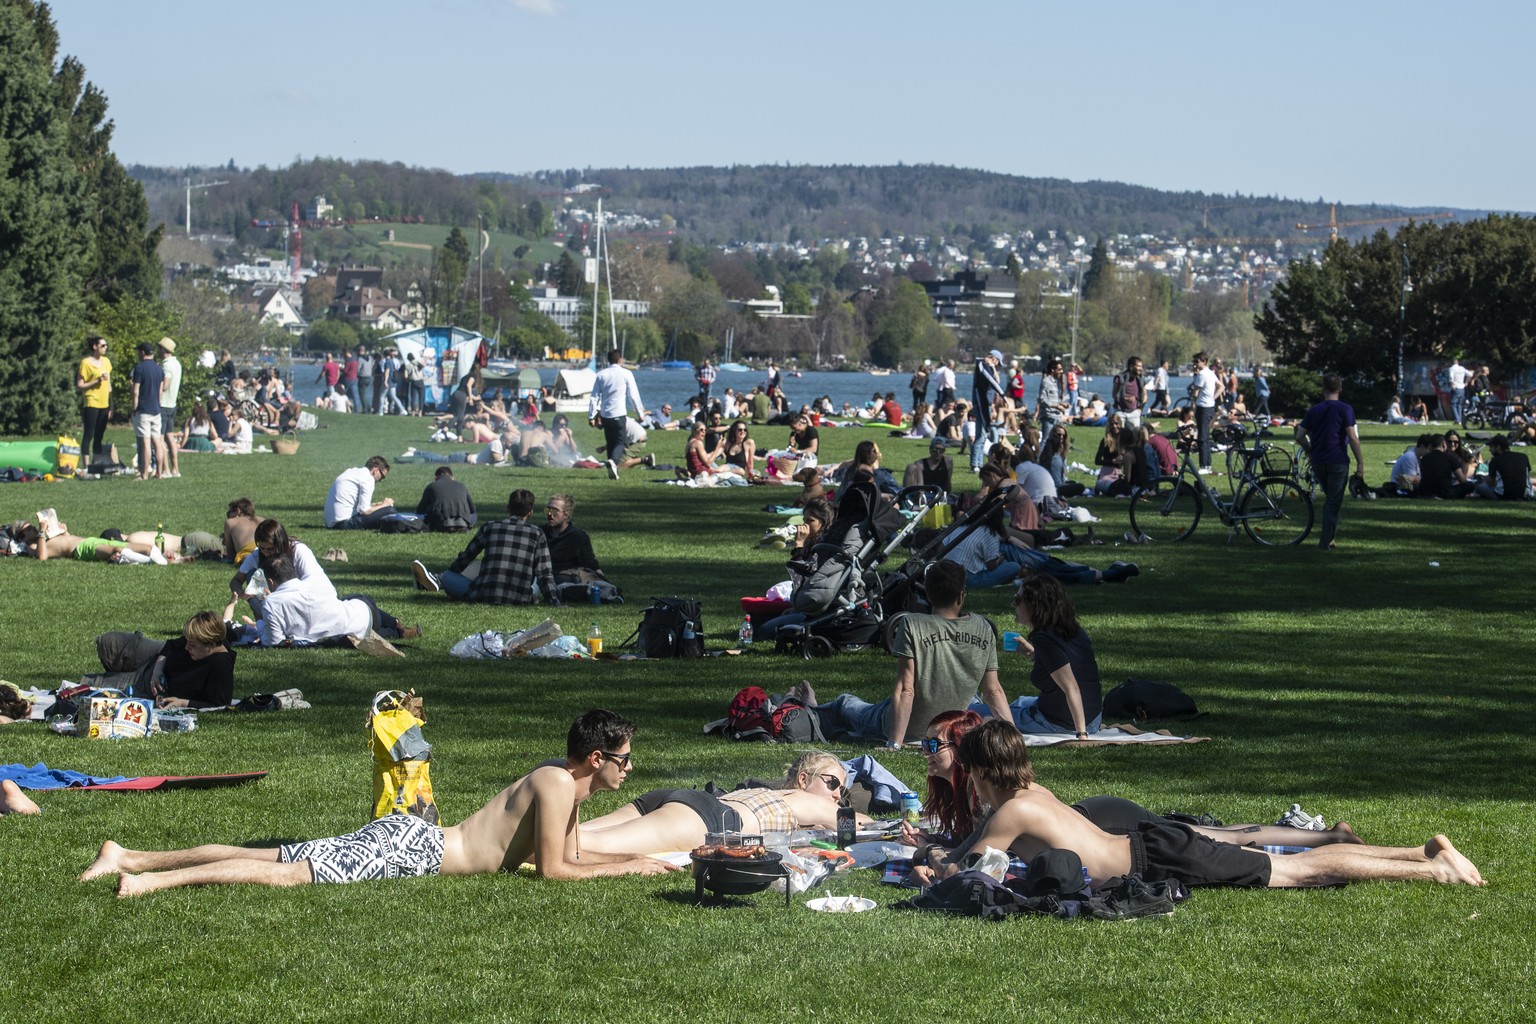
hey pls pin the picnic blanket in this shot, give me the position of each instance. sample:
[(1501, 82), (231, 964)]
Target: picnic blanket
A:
[(1122, 733), (41, 777)]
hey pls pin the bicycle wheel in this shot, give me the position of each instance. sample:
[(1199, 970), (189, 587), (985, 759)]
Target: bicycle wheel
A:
[(1475, 419), (1169, 513), (1276, 512)]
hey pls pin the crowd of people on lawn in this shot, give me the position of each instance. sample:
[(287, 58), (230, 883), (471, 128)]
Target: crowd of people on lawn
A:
[(946, 697)]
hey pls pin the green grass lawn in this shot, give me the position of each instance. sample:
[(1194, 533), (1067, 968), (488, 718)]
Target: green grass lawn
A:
[(415, 235), (1366, 684)]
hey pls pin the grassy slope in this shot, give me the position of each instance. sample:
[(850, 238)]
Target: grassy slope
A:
[(1365, 684), (433, 234)]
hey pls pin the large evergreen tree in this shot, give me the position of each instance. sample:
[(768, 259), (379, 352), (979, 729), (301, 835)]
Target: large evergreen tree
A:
[(45, 230)]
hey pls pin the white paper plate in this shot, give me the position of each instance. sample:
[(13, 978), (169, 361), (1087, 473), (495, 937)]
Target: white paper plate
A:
[(840, 904), (876, 852)]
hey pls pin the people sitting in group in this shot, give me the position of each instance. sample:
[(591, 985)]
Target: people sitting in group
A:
[(800, 451), (666, 820), (532, 821), (1509, 473), (699, 464), (741, 450), (503, 564), (446, 504), (194, 670), (1442, 473), (1395, 413), (199, 433), (349, 504), (271, 541)]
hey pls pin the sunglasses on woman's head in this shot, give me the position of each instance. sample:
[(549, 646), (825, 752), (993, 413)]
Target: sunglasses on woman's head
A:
[(930, 745)]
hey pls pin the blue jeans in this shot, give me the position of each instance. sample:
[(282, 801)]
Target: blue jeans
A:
[(1458, 404), (1027, 718), (853, 717), (354, 396), (1203, 417), (1333, 477), (1039, 561), (370, 521), (455, 585), (1005, 572)]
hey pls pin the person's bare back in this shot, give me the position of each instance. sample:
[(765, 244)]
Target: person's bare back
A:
[(501, 835)]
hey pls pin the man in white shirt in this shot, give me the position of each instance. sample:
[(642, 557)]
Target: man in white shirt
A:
[(1458, 376), (1405, 471), (1207, 392), (613, 392), (350, 506), (308, 611), (944, 382)]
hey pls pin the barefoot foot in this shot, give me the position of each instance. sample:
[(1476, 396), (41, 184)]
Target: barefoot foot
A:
[(130, 885), (1344, 834), (1448, 865), (108, 862), (14, 801)]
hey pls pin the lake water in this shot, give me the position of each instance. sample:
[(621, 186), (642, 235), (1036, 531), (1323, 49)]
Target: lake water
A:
[(675, 387)]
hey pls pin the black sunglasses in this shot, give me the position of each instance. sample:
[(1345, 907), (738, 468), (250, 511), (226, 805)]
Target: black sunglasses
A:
[(622, 760), (834, 783), (929, 745)]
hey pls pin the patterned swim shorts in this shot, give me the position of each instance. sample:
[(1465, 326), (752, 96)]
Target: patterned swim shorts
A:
[(394, 846)]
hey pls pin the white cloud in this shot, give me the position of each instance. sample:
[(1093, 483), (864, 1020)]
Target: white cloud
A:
[(545, 7)]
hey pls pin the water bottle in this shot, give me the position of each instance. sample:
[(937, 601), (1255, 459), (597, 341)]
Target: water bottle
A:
[(595, 640), (745, 634), (911, 808)]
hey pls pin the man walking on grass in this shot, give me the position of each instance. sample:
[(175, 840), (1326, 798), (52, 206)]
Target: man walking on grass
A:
[(1328, 434), (1027, 820), (534, 820), (613, 391)]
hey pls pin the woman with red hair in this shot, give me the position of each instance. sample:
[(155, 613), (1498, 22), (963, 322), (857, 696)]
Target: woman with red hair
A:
[(950, 803)]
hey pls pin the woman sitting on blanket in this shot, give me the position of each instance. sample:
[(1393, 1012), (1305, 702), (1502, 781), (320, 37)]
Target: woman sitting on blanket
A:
[(668, 820), (1065, 670), (700, 462)]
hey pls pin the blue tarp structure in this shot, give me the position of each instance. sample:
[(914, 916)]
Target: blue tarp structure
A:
[(446, 354)]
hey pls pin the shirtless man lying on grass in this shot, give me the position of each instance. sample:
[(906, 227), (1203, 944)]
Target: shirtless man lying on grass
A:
[(534, 819), (1028, 820)]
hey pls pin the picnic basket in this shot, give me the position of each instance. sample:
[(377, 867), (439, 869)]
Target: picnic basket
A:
[(286, 444)]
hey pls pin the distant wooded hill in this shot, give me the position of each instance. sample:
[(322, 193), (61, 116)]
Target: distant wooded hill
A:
[(743, 204)]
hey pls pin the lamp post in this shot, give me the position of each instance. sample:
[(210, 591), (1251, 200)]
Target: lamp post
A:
[(1405, 286)]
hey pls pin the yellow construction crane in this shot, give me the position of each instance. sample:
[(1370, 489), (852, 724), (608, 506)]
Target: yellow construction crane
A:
[(1334, 223)]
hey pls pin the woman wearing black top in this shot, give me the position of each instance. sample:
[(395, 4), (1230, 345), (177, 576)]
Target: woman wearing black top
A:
[(1065, 670), (195, 670)]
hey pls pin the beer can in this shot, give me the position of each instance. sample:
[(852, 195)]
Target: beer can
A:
[(847, 827)]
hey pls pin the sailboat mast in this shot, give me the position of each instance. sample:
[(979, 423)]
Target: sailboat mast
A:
[(597, 282)]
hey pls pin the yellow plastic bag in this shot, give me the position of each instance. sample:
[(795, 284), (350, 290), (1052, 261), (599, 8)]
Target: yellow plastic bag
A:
[(66, 456), (402, 770), (940, 516)]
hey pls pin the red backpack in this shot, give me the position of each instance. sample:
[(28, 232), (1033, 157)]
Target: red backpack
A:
[(750, 716)]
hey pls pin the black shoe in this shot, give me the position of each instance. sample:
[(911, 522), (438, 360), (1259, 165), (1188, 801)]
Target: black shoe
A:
[(1119, 572)]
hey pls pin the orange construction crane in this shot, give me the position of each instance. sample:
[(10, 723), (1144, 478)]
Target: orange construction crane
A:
[(1334, 223)]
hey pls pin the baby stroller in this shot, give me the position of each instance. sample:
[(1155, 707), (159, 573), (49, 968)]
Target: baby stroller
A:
[(841, 593)]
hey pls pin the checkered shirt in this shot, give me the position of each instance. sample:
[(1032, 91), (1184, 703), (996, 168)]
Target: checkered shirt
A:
[(515, 554)]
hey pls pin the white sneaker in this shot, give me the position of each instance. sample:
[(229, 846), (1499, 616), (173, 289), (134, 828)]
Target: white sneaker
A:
[(425, 579), (157, 556), (613, 469), (1206, 471)]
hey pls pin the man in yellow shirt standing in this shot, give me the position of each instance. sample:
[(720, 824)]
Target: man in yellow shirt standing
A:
[(94, 382)]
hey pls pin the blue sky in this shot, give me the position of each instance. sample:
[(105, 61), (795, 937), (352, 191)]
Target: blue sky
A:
[(1407, 102)]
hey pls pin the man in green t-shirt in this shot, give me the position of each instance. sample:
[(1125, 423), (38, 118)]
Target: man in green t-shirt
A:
[(943, 658)]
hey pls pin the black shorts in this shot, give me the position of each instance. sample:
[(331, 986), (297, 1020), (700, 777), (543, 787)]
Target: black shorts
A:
[(1172, 850), (1117, 815), (717, 815)]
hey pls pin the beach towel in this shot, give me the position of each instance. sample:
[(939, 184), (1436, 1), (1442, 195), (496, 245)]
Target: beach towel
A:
[(1123, 733), (41, 777)]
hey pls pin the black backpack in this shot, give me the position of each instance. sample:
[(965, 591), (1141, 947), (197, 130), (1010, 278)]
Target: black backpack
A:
[(670, 628), (1141, 699)]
